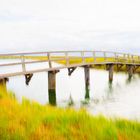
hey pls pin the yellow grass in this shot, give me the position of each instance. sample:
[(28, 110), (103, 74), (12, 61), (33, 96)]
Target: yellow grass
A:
[(31, 121)]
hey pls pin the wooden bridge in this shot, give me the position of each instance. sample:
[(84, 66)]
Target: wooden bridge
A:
[(16, 64)]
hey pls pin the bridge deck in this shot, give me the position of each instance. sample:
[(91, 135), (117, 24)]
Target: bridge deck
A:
[(68, 59)]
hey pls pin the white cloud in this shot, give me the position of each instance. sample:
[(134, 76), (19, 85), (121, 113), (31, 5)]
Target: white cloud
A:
[(69, 24)]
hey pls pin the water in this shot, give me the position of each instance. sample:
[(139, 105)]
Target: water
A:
[(121, 99)]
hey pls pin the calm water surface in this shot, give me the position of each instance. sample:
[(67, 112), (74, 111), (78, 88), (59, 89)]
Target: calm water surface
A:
[(121, 99)]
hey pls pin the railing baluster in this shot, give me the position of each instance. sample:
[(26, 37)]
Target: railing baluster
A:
[(124, 57), (138, 59), (23, 63), (115, 55), (67, 59), (83, 59), (94, 57), (49, 60), (132, 59), (128, 58), (105, 56)]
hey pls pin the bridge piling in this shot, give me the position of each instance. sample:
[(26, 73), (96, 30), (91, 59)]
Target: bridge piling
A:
[(130, 71), (87, 81), (111, 69), (52, 87), (3, 86)]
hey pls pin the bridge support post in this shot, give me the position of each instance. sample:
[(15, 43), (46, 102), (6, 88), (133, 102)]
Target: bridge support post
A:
[(3, 87), (111, 69), (130, 71), (87, 81), (52, 87)]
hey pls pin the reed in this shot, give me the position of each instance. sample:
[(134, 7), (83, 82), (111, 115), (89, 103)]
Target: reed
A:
[(30, 120)]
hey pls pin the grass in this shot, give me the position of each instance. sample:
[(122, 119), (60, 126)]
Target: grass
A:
[(32, 121)]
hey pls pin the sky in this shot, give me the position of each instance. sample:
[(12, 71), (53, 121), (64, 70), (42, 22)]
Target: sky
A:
[(48, 25)]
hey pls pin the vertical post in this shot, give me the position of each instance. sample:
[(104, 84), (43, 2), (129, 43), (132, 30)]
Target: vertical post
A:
[(49, 60), (128, 58), (116, 57), (138, 59), (67, 58), (82, 55), (23, 63), (3, 87), (130, 71), (94, 57), (87, 81), (132, 57), (105, 56), (124, 58), (111, 69), (52, 87)]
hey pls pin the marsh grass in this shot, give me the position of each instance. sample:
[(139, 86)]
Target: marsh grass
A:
[(30, 120)]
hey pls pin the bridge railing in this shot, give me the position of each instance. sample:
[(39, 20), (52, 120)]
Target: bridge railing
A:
[(32, 62)]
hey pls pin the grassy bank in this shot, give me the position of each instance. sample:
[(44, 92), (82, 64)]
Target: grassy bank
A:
[(29, 120)]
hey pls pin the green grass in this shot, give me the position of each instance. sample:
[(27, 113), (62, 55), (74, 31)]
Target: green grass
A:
[(29, 120)]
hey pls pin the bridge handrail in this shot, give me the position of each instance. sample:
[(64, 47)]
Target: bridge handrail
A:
[(53, 56), (33, 53)]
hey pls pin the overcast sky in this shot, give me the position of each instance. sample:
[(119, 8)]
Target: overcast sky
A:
[(36, 25)]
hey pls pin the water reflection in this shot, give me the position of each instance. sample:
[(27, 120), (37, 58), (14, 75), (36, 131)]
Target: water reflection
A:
[(129, 79), (70, 102), (110, 87)]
